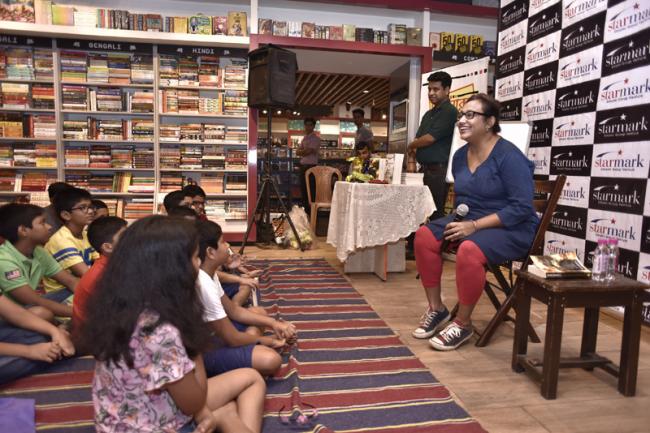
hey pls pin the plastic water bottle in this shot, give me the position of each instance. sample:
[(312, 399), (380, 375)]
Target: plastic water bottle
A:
[(612, 262), (600, 260)]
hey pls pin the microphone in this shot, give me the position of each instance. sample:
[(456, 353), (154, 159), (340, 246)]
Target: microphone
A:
[(459, 214)]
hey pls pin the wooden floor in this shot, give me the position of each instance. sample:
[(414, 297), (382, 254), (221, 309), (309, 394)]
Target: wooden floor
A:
[(481, 379)]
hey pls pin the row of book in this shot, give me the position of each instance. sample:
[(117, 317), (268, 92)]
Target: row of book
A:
[(216, 183), (82, 98), (195, 156), (108, 182), (102, 68), (109, 129), (398, 34), (23, 96), (42, 155), (106, 156), (16, 125), (48, 12), (203, 132), (11, 181), (129, 209), (26, 63), (202, 71), (229, 103)]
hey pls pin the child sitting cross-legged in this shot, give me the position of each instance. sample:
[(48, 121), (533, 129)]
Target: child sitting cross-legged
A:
[(103, 235), (238, 338), (144, 327), (69, 245), (24, 262)]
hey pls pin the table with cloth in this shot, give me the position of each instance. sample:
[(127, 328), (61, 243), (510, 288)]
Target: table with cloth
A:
[(368, 223)]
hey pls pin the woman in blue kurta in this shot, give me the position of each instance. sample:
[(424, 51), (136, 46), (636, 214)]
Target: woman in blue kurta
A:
[(495, 180)]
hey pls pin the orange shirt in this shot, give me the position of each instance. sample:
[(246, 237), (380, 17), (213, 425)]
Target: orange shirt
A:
[(85, 288)]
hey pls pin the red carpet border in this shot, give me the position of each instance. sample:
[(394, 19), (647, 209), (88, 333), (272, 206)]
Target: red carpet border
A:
[(348, 373)]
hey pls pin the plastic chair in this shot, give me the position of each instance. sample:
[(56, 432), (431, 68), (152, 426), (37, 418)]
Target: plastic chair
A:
[(324, 185)]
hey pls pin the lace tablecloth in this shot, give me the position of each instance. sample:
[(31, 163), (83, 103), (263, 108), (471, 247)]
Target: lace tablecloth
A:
[(366, 215)]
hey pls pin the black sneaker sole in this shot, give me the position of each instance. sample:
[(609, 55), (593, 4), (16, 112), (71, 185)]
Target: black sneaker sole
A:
[(431, 333)]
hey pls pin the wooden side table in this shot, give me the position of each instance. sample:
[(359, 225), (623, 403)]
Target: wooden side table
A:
[(578, 293)]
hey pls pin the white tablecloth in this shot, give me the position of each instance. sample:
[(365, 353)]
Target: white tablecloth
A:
[(366, 215)]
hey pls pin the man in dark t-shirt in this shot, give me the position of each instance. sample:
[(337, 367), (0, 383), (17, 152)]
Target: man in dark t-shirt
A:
[(433, 139)]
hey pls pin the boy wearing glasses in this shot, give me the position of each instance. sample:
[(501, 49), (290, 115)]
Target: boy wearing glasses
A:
[(69, 245), (433, 139)]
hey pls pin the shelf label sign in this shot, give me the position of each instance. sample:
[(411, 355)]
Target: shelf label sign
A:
[(188, 50), (77, 44), (25, 40)]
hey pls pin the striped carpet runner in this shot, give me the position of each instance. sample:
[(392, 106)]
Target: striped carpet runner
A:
[(348, 372)]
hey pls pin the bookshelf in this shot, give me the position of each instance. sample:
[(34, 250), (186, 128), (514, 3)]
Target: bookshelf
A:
[(107, 129)]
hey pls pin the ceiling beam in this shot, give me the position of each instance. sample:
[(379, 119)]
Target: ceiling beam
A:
[(344, 93), (317, 81), (317, 97)]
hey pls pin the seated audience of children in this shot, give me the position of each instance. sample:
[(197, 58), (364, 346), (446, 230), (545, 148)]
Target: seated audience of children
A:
[(101, 209), (238, 338), (51, 216), (24, 262), (146, 331), (175, 199)]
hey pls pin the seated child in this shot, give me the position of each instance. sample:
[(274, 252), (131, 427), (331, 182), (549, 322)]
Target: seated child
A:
[(182, 212), (24, 344), (101, 210), (362, 168), (144, 327), (24, 262), (103, 235), (198, 197), (51, 216), (240, 349), (69, 245), (238, 280), (175, 199)]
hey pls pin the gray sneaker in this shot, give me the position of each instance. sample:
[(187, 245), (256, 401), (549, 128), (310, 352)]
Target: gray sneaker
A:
[(451, 337), (431, 322)]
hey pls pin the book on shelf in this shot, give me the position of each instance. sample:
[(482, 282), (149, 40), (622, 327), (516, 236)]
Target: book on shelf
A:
[(200, 25), (62, 15), (237, 24), (307, 30), (434, 40), (557, 266), (380, 36), (414, 36), (294, 29), (264, 26), (397, 34), (43, 11), (322, 32), (336, 33), (349, 32), (17, 10), (280, 28), (220, 25)]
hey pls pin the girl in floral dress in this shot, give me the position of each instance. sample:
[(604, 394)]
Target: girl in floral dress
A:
[(146, 332)]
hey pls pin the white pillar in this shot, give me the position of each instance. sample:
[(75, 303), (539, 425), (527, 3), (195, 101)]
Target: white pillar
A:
[(415, 86)]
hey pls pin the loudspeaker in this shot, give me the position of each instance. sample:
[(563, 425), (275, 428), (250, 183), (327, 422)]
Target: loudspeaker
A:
[(272, 77)]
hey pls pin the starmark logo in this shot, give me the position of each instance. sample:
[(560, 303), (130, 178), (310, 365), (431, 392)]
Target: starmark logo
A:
[(539, 136), (624, 90), (561, 219), (578, 69), (616, 161), (579, 37), (573, 194), (514, 13), (540, 52), (569, 131), (512, 39), (627, 53), (538, 4), (537, 108), (510, 112), (573, 100), (538, 80), (629, 17), (610, 194), (544, 23), (606, 227), (620, 126), (578, 7), (540, 163), (508, 88), (555, 246), (511, 63), (565, 161)]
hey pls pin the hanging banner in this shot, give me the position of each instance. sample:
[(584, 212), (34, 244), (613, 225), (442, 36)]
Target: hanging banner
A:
[(466, 79)]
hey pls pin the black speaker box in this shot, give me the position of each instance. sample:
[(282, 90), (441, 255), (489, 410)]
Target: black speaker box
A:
[(272, 77)]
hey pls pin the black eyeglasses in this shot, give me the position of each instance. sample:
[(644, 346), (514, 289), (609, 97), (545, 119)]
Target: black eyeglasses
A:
[(469, 115)]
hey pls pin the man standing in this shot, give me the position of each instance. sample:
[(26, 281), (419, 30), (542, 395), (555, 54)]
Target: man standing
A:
[(308, 153), (433, 139), (363, 133)]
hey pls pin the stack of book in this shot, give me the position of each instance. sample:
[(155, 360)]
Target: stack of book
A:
[(6, 155), (168, 70), (45, 155), (10, 126), (237, 134), (41, 125), (191, 132), (140, 130), (213, 132), (143, 158), (235, 102), (141, 184), (235, 75), (119, 68), (188, 102), (100, 182), (106, 99), (188, 71), (236, 210), (142, 69), (212, 183), (122, 181), (43, 64), (77, 156), (43, 96), (209, 71), (191, 156), (170, 182), (235, 182), (75, 129), (170, 157), (74, 97), (138, 208), (169, 100), (97, 71), (211, 105), (215, 210), (236, 160), (80, 179), (18, 63), (556, 266), (100, 156), (7, 181), (121, 156), (141, 101), (15, 95), (24, 155), (73, 66), (170, 132), (35, 181), (213, 157)]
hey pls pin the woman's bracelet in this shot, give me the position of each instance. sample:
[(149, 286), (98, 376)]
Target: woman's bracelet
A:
[(475, 225)]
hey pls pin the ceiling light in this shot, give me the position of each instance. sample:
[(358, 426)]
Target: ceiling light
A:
[(366, 91), (264, 111), (383, 117), (279, 111)]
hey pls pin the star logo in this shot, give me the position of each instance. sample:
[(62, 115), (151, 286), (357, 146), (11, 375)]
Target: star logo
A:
[(613, 221), (636, 6), (575, 92), (620, 152), (631, 44), (623, 116), (581, 29), (578, 61), (616, 187), (625, 81)]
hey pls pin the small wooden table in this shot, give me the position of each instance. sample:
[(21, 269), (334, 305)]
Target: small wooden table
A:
[(578, 293)]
